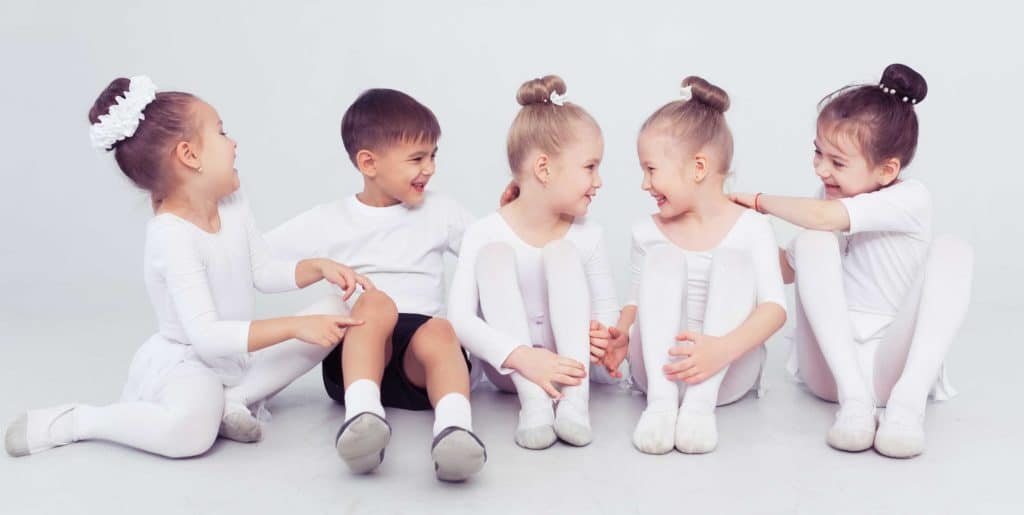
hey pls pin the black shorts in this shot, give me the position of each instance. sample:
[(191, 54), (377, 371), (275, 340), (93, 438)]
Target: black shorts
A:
[(396, 390)]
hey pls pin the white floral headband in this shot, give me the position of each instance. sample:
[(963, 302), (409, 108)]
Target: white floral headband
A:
[(122, 119)]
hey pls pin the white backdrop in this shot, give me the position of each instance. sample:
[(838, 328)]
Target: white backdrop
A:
[(282, 75)]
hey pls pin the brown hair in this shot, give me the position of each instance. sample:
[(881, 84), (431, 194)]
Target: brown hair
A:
[(541, 124), (880, 118), (144, 156), (380, 118), (700, 121)]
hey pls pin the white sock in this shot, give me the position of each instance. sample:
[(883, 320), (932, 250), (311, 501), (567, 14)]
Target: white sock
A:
[(363, 395), (655, 431), (900, 433), (572, 421), (453, 410), (536, 415)]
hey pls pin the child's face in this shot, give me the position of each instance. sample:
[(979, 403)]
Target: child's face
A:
[(403, 170), (669, 171), (574, 177), (216, 152), (843, 168)]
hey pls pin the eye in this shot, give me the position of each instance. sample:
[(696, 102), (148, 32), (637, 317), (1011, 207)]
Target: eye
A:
[(591, 167), (838, 164), (817, 152)]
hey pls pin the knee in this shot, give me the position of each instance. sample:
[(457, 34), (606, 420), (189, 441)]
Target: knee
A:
[(378, 304), (560, 251), (495, 256), (953, 250), (435, 339), (815, 242), (731, 261), (189, 437), (664, 259)]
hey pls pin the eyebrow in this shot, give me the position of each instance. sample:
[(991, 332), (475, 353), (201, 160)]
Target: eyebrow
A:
[(828, 154), (420, 153)]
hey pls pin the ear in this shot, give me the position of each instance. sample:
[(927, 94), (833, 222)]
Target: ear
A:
[(888, 171), (366, 162), (542, 169), (188, 155), (700, 167)]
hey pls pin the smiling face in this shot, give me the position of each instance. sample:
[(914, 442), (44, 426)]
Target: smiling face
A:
[(215, 152), (843, 168), (670, 171), (572, 176), (403, 169)]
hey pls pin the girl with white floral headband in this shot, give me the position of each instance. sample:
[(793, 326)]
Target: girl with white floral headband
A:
[(203, 255)]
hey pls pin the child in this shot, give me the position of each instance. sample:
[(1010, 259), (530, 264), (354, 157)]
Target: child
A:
[(537, 272), (395, 233), (203, 255), (878, 300), (704, 271)]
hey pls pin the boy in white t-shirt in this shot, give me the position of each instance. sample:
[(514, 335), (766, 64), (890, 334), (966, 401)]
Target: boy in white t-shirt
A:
[(395, 234)]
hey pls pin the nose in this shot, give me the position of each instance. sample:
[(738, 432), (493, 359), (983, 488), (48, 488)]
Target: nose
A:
[(646, 183), (430, 168), (597, 182)]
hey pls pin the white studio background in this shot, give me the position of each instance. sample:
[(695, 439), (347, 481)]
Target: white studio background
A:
[(282, 74)]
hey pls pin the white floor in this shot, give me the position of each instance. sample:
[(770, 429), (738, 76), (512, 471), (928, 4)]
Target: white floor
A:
[(772, 457)]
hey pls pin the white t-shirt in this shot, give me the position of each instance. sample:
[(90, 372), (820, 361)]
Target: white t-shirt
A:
[(494, 346), (885, 247), (750, 234), (201, 287), (400, 248)]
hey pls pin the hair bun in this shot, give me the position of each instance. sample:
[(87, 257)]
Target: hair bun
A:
[(707, 93), (538, 91), (108, 97), (905, 82)]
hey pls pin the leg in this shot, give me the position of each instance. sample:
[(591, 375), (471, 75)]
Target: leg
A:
[(661, 311), (819, 282), (435, 361), (732, 295), (569, 301), (941, 307), (272, 370), (364, 352), (501, 303), (181, 422)]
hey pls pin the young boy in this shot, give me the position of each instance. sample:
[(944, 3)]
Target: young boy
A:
[(395, 234)]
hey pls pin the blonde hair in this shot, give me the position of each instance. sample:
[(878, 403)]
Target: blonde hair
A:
[(700, 121), (541, 124)]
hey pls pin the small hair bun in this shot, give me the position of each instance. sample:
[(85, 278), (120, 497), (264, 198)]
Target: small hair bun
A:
[(904, 82), (538, 91)]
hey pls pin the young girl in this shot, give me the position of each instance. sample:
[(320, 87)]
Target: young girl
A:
[(202, 257), (704, 272), (878, 300), (537, 272)]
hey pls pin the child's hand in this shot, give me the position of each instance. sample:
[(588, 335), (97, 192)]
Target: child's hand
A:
[(511, 193), (343, 276), (323, 330), (544, 368), (705, 357), (608, 346), (744, 199)]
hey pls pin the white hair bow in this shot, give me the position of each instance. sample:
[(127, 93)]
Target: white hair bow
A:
[(557, 99), (686, 93)]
